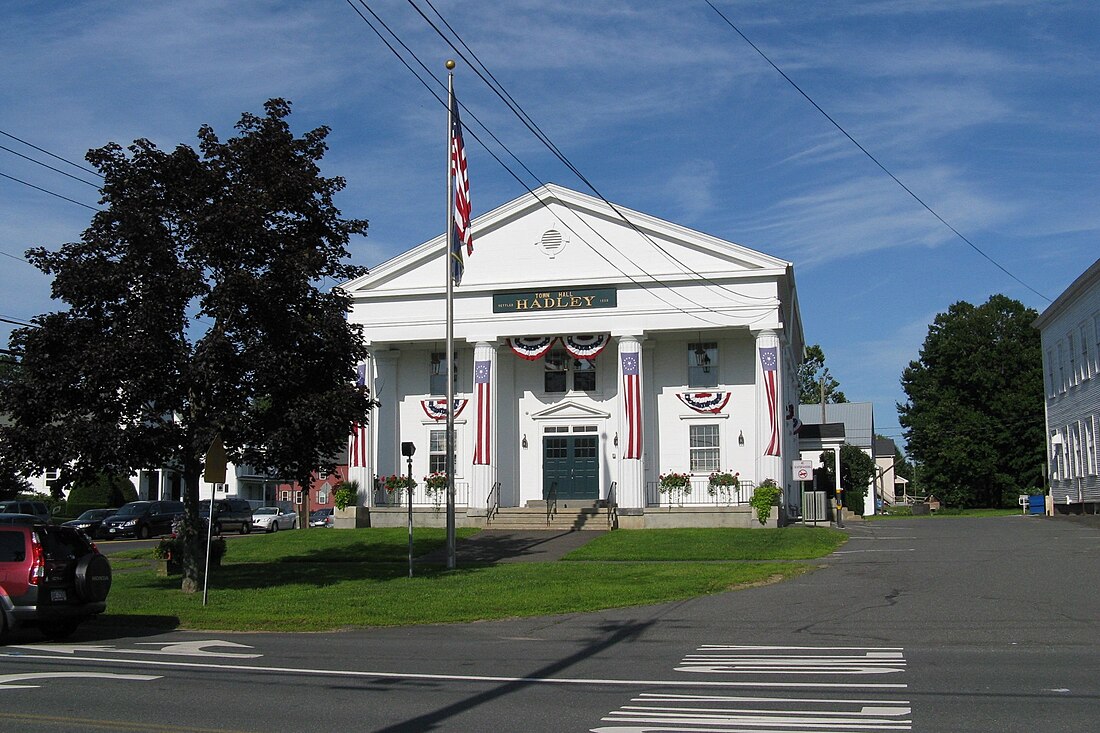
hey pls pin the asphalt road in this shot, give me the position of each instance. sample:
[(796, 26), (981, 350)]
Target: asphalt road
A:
[(923, 625)]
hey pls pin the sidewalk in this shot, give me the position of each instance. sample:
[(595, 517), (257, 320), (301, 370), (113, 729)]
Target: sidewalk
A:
[(492, 546)]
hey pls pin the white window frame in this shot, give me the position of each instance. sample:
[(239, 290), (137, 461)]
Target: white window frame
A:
[(1072, 359), (1086, 362), (1061, 368), (569, 368), (701, 432), (1089, 425)]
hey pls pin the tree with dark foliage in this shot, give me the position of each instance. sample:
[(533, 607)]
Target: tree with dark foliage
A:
[(974, 413), (813, 374), (193, 311)]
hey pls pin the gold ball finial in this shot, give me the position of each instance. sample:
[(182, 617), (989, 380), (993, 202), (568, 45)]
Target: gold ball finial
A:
[(450, 64)]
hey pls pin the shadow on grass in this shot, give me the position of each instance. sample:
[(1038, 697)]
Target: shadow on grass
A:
[(319, 574)]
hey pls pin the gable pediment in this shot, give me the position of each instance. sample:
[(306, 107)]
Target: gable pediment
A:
[(569, 410), (568, 238)]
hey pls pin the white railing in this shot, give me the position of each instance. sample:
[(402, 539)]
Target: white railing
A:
[(700, 494)]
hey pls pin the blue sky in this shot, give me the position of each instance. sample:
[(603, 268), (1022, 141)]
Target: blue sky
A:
[(988, 110)]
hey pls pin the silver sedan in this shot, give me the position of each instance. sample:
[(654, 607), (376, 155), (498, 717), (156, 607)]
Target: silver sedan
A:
[(272, 519)]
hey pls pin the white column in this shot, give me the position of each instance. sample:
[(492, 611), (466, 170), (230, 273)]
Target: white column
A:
[(630, 492), (769, 408), (484, 426), (364, 475), (386, 428)]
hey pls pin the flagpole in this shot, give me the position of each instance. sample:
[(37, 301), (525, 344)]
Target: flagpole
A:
[(447, 258)]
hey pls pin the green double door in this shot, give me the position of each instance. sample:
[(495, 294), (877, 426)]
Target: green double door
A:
[(573, 463)]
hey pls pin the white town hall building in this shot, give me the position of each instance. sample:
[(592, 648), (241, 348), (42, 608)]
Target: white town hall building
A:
[(592, 355)]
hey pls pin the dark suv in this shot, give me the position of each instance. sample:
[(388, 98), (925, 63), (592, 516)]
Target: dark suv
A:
[(141, 519), (26, 506), (50, 576), (229, 514)]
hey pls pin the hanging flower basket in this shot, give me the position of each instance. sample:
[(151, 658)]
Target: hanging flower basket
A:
[(394, 483), (676, 485), (722, 482), (435, 485)]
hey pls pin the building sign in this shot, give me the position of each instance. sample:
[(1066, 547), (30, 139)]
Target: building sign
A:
[(545, 300)]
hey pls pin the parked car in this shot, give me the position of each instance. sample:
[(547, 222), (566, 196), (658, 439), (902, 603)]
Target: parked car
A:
[(272, 519), (142, 519), (50, 576), (228, 514), (26, 506), (90, 521), (322, 517)]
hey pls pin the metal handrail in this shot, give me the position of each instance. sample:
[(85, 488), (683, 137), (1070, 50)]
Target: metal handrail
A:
[(612, 507), (492, 503), (551, 503)]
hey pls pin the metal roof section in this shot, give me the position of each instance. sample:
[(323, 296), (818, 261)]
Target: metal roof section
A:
[(858, 419)]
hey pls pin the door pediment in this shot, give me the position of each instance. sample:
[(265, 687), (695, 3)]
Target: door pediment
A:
[(569, 410)]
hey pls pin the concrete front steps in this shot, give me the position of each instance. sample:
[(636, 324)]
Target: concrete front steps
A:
[(570, 515)]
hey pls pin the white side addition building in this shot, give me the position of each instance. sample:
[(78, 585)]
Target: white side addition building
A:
[(596, 348)]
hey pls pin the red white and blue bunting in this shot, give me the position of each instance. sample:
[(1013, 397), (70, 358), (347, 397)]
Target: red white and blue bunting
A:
[(706, 402), (532, 347), (586, 346), (437, 409)]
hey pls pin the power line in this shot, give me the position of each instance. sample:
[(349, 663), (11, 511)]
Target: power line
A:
[(52, 155), (875, 160), (507, 168), (44, 165), (43, 190), (497, 88), (15, 322)]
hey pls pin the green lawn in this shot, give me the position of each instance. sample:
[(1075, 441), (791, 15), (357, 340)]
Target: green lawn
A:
[(319, 580), (788, 543)]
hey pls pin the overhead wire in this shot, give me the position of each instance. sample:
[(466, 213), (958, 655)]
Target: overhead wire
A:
[(497, 88), (507, 168), (46, 165), (44, 190), (873, 159), (52, 155)]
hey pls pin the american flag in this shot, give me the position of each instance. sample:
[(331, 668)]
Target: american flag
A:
[(462, 233), (484, 413), (361, 375), (632, 399), (769, 363), (357, 445)]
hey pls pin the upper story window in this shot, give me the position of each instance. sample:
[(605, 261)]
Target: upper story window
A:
[(1061, 369), (703, 364), (1086, 364), (560, 369), (437, 370), (1072, 360)]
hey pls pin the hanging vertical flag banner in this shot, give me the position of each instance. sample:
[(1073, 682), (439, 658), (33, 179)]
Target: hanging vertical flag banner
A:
[(632, 400), (769, 363), (463, 236), (361, 375), (484, 425), (357, 445)]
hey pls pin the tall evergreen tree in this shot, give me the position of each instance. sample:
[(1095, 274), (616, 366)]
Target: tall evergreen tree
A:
[(974, 409), (813, 376), (193, 311)]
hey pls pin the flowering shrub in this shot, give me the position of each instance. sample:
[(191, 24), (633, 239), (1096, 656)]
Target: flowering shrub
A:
[(346, 494), (435, 485)]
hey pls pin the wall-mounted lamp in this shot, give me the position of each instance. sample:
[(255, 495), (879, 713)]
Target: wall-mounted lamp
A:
[(741, 438), (616, 440), (523, 443)]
